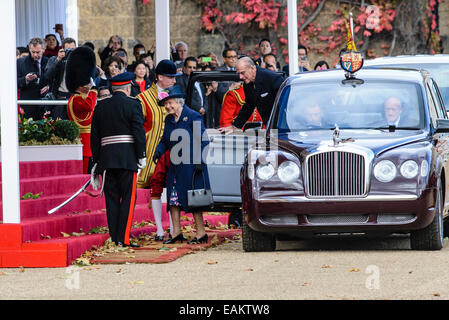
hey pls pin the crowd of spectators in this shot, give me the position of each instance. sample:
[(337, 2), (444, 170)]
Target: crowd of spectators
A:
[(41, 71), (41, 75)]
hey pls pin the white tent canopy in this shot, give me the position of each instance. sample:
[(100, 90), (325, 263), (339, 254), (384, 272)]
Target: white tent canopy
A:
[(37, 18)]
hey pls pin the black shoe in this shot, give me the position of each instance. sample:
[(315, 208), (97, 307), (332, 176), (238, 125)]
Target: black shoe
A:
[(159, 238), (131, 245), (204, 239), (179, 237)]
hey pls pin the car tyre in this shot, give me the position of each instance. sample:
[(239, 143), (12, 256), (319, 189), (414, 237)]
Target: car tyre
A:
[(254, 241), (431, 237)]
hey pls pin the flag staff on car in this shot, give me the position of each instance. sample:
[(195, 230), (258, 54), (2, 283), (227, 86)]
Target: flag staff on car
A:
[(351, 60)]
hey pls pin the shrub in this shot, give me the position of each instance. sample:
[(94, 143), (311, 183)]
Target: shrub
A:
[(66, 129), (48, 132), (39, 130)]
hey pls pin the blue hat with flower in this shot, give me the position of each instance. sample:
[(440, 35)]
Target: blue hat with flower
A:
[(170, 93)]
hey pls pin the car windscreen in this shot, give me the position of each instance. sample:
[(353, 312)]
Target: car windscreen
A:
[(371, 105), (439, 72)]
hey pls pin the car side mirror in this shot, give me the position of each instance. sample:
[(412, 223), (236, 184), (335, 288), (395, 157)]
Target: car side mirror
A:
[(252, 125), (442, 126)]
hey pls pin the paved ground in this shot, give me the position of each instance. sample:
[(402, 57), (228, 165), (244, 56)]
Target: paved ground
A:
[(318, 269)]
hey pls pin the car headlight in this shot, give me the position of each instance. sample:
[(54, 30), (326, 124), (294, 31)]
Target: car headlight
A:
[(385, 171), (424, 168), (409, 169), (288, 172), (265, 171)]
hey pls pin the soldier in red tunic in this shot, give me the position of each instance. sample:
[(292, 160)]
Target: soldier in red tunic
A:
[(80, 109), (80, 69)]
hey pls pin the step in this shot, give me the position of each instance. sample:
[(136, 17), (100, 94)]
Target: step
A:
[(52, 226), (76, 246), (35, 208), (39, 169), (50, 186)]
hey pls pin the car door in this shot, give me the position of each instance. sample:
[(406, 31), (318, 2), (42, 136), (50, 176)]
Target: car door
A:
[(438, 110), (225, 153)]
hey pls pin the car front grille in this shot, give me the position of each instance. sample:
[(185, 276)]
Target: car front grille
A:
[(327, 219), (335, 174)]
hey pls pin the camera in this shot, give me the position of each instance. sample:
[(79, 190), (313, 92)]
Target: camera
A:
[(303, 58), (67, 51)]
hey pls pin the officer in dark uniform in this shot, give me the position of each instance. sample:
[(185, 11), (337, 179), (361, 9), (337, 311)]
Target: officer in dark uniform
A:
[(118, 149)]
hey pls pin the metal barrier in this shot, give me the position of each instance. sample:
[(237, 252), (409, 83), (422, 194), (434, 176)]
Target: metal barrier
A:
[(42, 102)]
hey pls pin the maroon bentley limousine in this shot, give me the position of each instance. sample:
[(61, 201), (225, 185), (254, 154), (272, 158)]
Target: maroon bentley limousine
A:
[(362, 155)]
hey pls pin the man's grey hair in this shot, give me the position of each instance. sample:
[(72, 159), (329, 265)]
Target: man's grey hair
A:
[(181, 43), (36, 41), (247, 61)]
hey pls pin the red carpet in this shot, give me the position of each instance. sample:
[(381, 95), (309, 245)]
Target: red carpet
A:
[(66, 232), (156, 252)]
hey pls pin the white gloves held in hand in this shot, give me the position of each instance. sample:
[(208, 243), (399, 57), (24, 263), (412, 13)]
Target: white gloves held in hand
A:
[(94, 179), (142, 162)]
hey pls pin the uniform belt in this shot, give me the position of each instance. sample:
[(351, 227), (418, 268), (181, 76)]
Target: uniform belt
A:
[(117, 139)]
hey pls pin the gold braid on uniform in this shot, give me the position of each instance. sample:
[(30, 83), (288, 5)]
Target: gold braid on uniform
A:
[(149, 99)]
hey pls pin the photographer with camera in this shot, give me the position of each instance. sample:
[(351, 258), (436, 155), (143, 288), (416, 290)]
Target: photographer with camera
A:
[(303, 63), (31, 80), (270, 62), (55, 73)]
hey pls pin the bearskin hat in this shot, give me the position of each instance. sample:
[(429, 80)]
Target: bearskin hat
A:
[(80, 67)]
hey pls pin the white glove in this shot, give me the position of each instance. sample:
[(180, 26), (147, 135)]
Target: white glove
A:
[(94, 179), (142, 163)]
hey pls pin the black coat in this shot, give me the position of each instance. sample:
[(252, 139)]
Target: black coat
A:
[(183, 82), (261, 94), (54, 73), (117, 115), (30, 91)]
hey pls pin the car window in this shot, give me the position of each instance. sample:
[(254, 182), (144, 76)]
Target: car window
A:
[(433, 109), (321, 105), (439, 102), (439, 72)]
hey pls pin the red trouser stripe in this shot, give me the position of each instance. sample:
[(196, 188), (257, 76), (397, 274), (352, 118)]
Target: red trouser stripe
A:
[(131, 209)]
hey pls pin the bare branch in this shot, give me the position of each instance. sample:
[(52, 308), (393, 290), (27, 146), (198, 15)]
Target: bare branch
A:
[(312, 16)]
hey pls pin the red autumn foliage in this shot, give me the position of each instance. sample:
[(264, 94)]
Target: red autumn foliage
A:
[(375, 18)]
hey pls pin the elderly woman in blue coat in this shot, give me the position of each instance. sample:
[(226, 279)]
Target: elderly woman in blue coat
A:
[(183, 136)]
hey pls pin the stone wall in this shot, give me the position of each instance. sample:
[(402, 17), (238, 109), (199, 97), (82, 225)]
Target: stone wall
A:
[(135, 23), (444, 24)]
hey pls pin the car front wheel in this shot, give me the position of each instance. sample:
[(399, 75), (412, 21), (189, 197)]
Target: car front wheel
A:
[(431, 237), (254, 241)]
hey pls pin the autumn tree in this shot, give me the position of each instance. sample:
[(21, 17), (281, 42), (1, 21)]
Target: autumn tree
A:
[(396, 26)]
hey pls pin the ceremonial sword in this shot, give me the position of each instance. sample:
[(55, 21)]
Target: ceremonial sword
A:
[(71, 198), (83, 189)]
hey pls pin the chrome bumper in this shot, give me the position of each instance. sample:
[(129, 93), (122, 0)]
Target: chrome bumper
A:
[(299, 199)]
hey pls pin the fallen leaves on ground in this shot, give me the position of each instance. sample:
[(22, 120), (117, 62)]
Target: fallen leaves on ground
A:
[(82, 261), (145, 240), (354, 270)]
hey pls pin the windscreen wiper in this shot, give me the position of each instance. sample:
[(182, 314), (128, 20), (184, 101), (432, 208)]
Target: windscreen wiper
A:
[(394, 128)]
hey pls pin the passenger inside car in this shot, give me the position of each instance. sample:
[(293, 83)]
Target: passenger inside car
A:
[(363, 107), (393, 112), (313, 116)]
